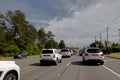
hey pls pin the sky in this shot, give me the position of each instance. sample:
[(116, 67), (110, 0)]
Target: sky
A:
[(77, 22)]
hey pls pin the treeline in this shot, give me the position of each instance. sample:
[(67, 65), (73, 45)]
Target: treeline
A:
[(17, 34), (114, 47)]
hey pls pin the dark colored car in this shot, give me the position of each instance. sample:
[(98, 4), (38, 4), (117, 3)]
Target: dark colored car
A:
[(20, 55)]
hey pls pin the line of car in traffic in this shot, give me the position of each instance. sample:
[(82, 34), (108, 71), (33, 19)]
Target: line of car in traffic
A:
[(54, 55), (91, 55), (11, 71)]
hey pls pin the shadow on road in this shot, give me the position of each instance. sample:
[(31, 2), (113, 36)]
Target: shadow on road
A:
[(46, 64), (35, 64), (80, 63)]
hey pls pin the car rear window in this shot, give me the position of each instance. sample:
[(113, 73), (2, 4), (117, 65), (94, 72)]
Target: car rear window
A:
[(64, 50), (93, 50), (47, 52)]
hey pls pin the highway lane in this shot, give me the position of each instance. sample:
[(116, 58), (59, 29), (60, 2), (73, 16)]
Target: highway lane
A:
[(70, 69)]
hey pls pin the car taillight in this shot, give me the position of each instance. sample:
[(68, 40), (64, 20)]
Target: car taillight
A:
[(102, 54), (86, 54), (54, 56)]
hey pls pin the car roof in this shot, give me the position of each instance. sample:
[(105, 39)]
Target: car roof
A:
[(49, 49), (92, 48)]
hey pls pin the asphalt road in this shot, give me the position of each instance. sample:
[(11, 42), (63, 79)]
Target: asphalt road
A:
[(70, 69)]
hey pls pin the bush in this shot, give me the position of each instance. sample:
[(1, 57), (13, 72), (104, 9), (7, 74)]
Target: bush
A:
[(32, 49), (116, 49), (11, 49)]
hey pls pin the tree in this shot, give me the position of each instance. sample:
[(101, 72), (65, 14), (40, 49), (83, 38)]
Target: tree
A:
[(3, 42), (97, 44), (24, 32), (115, 47), (51, 44), (50, 35), (42, 37), (17, 34), (62, 44)]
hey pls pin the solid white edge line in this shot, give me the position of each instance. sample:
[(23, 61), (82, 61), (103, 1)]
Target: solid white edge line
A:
[(112, 71)]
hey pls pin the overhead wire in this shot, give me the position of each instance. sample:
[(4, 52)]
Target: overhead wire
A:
[(104, 37)]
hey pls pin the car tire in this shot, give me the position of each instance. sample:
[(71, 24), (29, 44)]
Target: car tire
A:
[(42, 63), (84, 62), (56, 62), (10, 76), (60, 61), (101, 63)]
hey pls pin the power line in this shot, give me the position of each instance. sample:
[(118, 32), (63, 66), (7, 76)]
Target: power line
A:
[(113, 21)]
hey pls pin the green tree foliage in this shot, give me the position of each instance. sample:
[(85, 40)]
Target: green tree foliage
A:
[(17, 34), (42, 36), (115, 47), (24, 32), (32, 49), (62, 44), (51, 44), (50, 35), (2, 34), (98, 44), (11, 49)]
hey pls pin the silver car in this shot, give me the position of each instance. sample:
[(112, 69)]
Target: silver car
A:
[(93, 55), (66, 53)]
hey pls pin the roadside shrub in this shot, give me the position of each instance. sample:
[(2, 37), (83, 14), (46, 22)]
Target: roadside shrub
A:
[(11, 49), (32, 49)]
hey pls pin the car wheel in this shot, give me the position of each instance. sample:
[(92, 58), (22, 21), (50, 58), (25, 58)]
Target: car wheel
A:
[(101, 63), (60, 61), (10, 76), (42, 63), (56, 62)]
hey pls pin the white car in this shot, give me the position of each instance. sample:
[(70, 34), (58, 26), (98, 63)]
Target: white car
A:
[(93, 55), (66, 53), (50, 55), (9, 70)]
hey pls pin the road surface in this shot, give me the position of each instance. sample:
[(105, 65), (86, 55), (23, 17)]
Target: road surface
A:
[(70, 69)]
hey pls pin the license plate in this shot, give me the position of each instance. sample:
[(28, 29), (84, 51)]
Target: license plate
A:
[(94, 54), (46, 55)]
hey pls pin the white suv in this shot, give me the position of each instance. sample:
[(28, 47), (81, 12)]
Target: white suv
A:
[(50, 55), (94, 55), (66, 53), (9, 70)]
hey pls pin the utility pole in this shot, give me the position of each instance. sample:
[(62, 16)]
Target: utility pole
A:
[(107, 38), (100, 39), (119, 38)]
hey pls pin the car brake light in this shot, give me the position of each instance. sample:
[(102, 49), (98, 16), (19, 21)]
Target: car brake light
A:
[(102, 54), (86, 54), (54, 56)]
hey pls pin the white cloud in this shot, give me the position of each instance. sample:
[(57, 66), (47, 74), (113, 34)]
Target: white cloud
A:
[(80, 28), (74, 21)]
